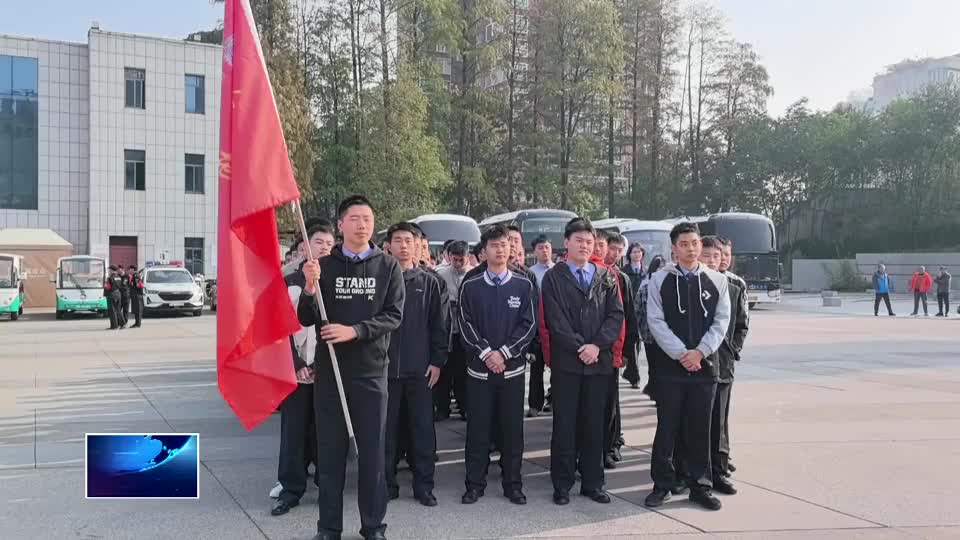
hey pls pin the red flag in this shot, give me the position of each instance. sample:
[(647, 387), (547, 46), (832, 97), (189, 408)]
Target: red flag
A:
[(254, 316)]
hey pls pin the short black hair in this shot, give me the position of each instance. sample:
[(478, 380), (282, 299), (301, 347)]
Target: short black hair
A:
[(322, 227), (403, 226), (477, 248), (446, 245), (602, 234), (616, 238), (457, 248), (113, 268), (635, 246), (494, 233), (418, 231), (542, 239), (310, 223), (350, 202), (513, 227), (711, 242), (134, 267), (684, 227), (576, 225), (725, 242)]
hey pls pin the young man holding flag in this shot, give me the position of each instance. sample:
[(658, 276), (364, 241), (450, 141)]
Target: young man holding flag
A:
[(363, 292)]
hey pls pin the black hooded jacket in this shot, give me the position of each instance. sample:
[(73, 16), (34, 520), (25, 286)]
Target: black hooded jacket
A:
[(367, 295), (729, 351), (422, 338)]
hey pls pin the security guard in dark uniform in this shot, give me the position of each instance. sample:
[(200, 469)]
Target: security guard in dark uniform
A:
[(111, 289), (135, 294), (124, 297)]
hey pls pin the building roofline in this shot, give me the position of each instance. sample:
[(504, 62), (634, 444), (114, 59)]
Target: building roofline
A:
[(43, 40), (154, 38)]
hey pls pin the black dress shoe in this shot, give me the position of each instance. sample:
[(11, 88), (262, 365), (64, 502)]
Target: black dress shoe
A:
[(283, 507), (326, 536), (376, 535), (517, 497), (656, 498), (617, 456), (730, 467), (426, 499), (471, 496), (705, 499), (723, 486), (561, 498), (597, 496), (609, 462)]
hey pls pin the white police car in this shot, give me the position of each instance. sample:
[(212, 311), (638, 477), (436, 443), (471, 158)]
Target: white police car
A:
[(171, 288)]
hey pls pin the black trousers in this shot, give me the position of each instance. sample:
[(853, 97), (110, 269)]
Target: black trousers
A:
[(632, 371), (611, 414), (943, 302), (578, 428), (125, 309), (113, 311), (136, 306), (886, 300), (503, 398), (917, 298), (298, 442), (651, 377), (537, 394), (683, 407), (367, 400), (453, 377), (719, 436), (414, 397)]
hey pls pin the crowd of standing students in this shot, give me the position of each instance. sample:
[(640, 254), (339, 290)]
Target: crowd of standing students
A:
[(413, 338)]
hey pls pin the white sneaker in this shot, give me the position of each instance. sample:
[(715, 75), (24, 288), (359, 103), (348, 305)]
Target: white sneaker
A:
[(275, 492)]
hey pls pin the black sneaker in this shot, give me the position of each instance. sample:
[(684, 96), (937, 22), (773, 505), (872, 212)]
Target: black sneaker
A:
[(609, 462), (656, 498), (705, 499), (426, 499), (597, 496), (723, 486), (731, 467), (516, 497), (561, 498), (471, 496), (283, 507)]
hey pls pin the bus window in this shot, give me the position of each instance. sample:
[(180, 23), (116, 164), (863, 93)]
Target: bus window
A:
[(441, 230), (6, 273), (551, 227), (654, 243), (81, 274)]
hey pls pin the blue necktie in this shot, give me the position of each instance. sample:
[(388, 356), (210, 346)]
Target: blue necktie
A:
[(496, 280), (582, 278)]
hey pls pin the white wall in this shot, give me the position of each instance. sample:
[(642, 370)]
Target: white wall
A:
[(63, 140), (163, 215)]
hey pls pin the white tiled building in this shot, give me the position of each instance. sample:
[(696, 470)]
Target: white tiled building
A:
[(127, 139)]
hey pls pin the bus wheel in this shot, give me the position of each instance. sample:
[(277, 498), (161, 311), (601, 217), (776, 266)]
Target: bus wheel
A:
[(14, 315), (59, 315)]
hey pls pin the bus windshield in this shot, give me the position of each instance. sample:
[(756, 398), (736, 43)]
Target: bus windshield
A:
[(81, 274), (757, 270), (654, 243), (6, 273), (748, 236), (441, 230), (551, 227)]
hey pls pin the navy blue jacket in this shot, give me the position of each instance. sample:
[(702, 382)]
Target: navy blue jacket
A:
[(496, 317)]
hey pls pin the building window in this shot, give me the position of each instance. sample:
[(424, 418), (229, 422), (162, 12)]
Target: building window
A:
[(135, 170), (193, 255), (135, 88), (194, 97), (193, 165), (18, 133)]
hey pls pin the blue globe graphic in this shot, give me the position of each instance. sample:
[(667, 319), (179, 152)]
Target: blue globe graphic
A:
[(138, 453)]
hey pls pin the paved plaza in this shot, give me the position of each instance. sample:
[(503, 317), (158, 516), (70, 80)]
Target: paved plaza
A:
[(844, 426)]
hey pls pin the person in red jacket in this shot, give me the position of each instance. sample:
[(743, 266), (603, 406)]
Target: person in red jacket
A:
[(920, 284)]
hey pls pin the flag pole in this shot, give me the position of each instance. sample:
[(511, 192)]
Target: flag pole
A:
[(323, 321)]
